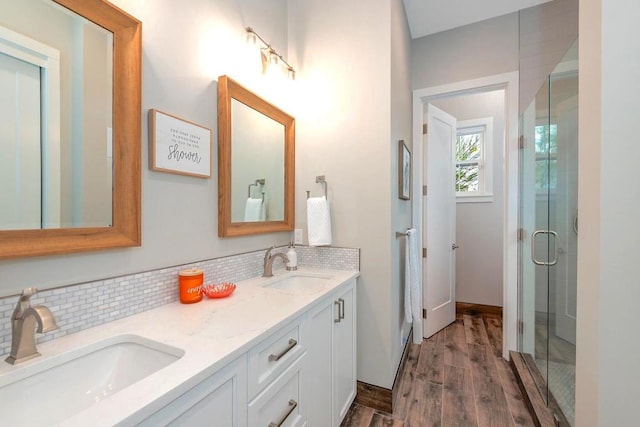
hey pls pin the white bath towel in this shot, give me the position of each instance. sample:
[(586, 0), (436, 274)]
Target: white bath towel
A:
[(413, 285), (318, 221), (254, 210)]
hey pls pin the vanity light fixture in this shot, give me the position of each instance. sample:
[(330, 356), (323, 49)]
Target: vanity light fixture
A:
[(270, 58)]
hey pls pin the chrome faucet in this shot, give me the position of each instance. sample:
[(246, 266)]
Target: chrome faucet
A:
[(268, 261), (23, 322)]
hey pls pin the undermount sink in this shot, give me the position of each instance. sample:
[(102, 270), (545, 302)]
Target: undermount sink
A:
[(299, 283), (51, 390)]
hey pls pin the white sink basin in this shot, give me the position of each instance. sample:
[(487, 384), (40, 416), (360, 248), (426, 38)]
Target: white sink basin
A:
[(296, 283), (53, 389)]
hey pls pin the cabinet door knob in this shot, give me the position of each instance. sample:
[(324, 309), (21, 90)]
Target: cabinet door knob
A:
[(292, 405), (276, 357)]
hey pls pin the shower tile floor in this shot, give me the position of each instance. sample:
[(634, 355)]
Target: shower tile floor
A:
[(562, 383)]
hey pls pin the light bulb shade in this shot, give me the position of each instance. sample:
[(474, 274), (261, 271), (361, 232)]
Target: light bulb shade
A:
[(251, 38), (273, 58), (264, 58), (274, 70)]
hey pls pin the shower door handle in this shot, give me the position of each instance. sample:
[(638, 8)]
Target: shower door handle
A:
[(555, 247)]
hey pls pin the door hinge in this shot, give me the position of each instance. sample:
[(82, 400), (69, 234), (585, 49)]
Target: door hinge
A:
[(424, 190), (424, 129), (424, 313), (521, 234), (521, 142), (520, 326), (424, 252)]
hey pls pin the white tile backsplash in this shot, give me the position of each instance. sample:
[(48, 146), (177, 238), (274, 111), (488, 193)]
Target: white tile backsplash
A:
[(85, 305)]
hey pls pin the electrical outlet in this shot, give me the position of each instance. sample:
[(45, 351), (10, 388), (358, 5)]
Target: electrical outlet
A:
[(297, 236)]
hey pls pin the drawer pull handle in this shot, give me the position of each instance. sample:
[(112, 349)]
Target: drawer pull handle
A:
[(276, 357), (339, 318), (341, 313), (292, 405)]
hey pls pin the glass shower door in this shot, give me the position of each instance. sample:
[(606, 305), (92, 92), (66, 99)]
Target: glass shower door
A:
[(549, 223), (563, 218), (538, 241)]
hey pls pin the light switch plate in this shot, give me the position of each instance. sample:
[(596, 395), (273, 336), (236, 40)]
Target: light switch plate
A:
[(297, 236)]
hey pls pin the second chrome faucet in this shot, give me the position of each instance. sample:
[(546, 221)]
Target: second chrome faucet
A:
[(268, 261)]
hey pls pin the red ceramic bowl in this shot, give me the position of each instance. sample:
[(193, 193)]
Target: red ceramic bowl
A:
[(219, 290)]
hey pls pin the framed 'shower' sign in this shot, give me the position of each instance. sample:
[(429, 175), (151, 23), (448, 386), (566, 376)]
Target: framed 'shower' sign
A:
[(178, 146)]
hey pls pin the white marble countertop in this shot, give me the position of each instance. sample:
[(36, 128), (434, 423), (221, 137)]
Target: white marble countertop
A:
[(212, 333)]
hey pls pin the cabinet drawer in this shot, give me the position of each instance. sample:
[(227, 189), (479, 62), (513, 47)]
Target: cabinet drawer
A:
[(272, 356), (280, 403)]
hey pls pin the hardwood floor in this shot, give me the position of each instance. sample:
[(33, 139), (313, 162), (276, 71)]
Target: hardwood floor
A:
[(455, 378)]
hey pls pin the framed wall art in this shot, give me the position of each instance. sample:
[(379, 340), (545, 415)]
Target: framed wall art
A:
[(404, 171), (178, 146)]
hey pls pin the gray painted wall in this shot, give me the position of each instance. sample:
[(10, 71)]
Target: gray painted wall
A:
[(473, 51), (401, 128), (348, 133), (546, 33)]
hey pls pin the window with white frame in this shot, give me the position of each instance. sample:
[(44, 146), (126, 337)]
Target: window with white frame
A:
[(546, 144), (473, 166)]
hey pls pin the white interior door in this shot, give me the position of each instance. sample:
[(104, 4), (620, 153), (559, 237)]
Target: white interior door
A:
[(20, 144), (439, 221)]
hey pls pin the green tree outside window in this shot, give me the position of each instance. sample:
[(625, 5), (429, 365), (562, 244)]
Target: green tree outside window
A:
[(468, 155)]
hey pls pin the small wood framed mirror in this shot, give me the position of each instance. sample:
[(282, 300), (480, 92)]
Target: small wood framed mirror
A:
[(256, 155)]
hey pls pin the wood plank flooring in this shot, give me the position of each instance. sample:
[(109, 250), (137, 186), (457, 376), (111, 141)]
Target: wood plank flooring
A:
[(455, 378)]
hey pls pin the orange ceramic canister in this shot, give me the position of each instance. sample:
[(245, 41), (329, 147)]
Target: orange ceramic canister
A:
[(190, 285)]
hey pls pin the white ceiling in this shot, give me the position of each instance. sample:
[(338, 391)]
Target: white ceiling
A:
[(432, 16)]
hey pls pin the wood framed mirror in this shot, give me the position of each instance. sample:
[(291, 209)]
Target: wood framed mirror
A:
[(256, 170), (122, 133)]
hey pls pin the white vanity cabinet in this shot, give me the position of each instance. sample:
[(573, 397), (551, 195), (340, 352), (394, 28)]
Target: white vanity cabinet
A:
[(303, 373), (344, 356), (219, 400), (331, 359)]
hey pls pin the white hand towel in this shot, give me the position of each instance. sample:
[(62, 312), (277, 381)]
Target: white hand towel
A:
[(413, 285), (408, 316), (254, 210), (318, 221)]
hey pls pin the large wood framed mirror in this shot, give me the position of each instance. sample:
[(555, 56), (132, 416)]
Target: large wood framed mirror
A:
[(256, 155), (84, 60)]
